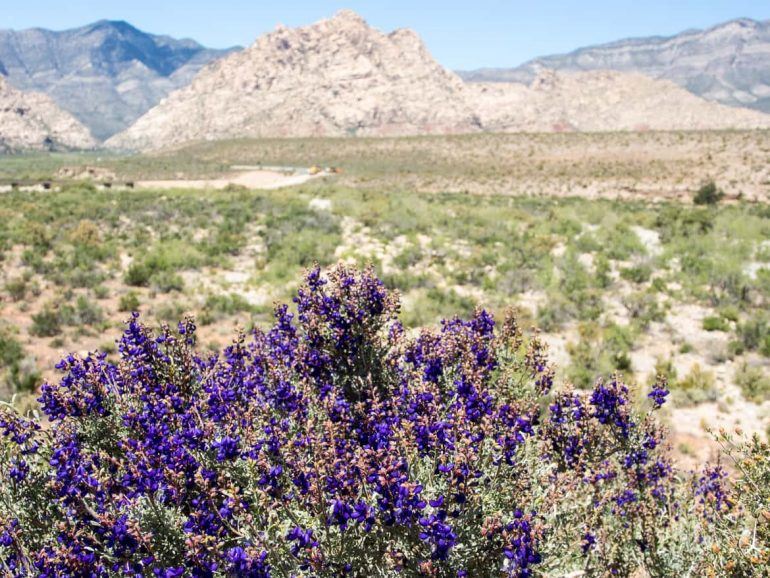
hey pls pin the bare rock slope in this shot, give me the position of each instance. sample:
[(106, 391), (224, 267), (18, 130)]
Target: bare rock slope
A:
[(32, 121), (337, 77), (107, 74), (340, 77), (602, 101), (728, 63)]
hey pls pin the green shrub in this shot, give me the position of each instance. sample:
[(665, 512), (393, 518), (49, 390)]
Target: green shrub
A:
[(708, 194), (11, 351), (637, 273), (218, 306), (46, 322), (159, 268), (737, 509), (643, 308), (698, 386), (86, 312), (715, 323), (754, 383), (138, 275), (101, 292), (600, 351), (603, 272), (23, 376), (17, 288), (166, 281), (129, 302), (753, 335), (730, 313)]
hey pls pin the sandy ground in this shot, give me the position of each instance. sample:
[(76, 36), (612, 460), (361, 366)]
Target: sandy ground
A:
[(251, 179)]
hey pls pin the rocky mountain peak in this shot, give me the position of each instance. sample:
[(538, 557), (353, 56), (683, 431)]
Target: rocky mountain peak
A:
[(336, 77), (32, 121), (348, 18), (106, 74)]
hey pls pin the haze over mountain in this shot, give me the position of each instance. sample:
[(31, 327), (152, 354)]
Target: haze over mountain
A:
[(106, 74), (728, 63), (340, 77), (32, 121)]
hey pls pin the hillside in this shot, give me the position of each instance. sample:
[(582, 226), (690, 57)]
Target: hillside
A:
[(337, 77), (340, 77), (32, 121), (602, 101), (106, 74), (728, 63)]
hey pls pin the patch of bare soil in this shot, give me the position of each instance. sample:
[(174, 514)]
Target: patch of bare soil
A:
[(252, 179)]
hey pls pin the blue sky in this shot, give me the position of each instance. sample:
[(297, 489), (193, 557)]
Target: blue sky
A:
[(460, 35)]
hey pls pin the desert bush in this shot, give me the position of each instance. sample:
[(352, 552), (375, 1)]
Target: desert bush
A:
[(643, 308), (599, 351), (337, 444), (83, 312), (18, 372), (46, 322), (433, 304), (676, 222), (555, 312), (129, 302), (166, 281), (159, 267), (18, 287), (218, 306), (754, 382), (696, 387), (637, 273), (137, 275), (716, 323), (23, 376), (11, 351), (85, 234), (737, 510), (50, 320), (753, 335), (708, 194)]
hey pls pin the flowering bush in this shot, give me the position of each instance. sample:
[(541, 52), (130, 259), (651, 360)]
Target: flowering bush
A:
[(738, 512), (335, 444)]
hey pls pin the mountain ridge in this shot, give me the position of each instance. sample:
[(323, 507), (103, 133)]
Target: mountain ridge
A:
[(335, 77), (341, 77), (32, 121), (121, 70), (712, 63)]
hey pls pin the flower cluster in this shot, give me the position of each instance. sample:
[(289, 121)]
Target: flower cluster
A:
[(332, 444)]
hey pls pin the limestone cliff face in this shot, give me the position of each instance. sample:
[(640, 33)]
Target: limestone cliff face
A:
[(32, 121)]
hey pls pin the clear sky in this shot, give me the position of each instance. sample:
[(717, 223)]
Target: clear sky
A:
[(461, 35)]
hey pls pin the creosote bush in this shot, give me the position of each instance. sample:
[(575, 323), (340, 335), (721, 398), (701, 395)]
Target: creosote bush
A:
[(337, 444)]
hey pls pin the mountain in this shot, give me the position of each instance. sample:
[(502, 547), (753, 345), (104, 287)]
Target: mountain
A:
[(729, 63), (602, 101), (340, 77), (334, 78), (106, 74), (32, 121)]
